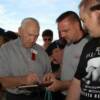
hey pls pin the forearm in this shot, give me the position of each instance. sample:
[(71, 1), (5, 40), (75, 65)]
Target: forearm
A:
[(65, 84), (74, 91), (12, 82)]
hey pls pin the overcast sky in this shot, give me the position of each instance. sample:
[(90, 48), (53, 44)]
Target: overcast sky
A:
[(45, 11)]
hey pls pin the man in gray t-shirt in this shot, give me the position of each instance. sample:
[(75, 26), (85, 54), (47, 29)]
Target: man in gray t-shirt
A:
[(70, 30), (71, 58), (23, 62)]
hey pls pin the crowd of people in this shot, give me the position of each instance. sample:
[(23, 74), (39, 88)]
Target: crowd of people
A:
[(64, 69)]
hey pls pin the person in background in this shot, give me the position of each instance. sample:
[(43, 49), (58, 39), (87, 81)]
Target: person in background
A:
[(2, 37), (70, 30), (55, 52), (6, 36), (86, 82), (10, 35), (47, 36), (23, 62)]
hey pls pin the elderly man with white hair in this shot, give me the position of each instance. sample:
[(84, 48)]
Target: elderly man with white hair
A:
[(23, 62)]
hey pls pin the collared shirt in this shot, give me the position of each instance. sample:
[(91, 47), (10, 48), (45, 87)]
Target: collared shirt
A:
[(17, 61)]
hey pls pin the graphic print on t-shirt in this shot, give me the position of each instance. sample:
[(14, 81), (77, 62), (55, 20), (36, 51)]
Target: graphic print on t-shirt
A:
[(93, 70), (90, 83)]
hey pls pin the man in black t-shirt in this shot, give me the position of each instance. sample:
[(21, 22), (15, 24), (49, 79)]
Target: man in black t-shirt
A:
[(86, 82)]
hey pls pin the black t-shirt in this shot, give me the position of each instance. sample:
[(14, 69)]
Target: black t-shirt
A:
[(86, 71)]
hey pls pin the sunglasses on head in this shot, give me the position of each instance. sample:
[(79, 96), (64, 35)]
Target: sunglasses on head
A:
[(47, 39), (95, 7)]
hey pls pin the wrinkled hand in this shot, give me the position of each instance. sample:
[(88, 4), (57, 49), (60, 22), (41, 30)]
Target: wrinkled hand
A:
[(31, 78), (56, 84), (48, 77)]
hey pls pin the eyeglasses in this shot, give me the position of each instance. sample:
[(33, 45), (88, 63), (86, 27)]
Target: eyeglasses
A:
[(47, 39)]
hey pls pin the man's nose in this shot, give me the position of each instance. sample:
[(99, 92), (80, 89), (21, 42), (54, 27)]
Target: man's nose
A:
[(32, 39), (62, 35)]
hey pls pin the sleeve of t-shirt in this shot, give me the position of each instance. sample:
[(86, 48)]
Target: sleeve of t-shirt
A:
[(82, 64)]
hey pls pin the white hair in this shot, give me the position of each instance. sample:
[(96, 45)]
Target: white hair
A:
[(25, 20)]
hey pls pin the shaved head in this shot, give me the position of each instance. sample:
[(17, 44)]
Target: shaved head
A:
[(29, 19)]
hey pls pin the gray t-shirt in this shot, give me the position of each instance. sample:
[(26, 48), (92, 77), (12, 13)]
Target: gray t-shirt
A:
[(71, 58), (17, 61)]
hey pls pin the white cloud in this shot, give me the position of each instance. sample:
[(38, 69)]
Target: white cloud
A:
[(65, 5), (2, 9), (28, 1), (49, 1), (44, 1), (7, 20), (36, 3)]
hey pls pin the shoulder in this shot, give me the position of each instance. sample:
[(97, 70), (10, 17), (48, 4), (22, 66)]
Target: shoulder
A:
[(8, 46), (9, 43), (81, 44), (91, 42), (83, 41), (40, 49)]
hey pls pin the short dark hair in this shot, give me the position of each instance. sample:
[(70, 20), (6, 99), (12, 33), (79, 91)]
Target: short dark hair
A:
[(47, 32), (10, 35), (2, 32), (71, 15), (54, 45)]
